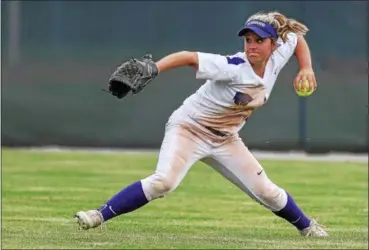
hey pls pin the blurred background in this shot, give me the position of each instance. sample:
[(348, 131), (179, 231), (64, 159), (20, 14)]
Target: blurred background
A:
[(58, 55)]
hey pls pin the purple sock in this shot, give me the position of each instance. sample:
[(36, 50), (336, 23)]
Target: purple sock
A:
[(127, 200), (293, 214)]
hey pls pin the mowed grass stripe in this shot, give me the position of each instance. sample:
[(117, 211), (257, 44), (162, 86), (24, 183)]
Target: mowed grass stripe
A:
[(42, 191)]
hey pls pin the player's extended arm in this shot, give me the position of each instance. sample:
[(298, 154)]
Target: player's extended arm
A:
[(303, 56), (302, 53), (135, 74), (178, 59)]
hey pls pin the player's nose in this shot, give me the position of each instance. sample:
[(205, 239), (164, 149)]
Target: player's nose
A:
[(251, 46)]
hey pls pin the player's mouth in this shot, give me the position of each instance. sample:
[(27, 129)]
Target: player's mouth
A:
[(253, 54)]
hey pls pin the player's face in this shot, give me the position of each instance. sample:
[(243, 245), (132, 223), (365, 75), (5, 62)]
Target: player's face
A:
[(258, 49)]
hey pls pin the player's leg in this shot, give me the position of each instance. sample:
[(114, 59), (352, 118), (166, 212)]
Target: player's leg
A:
[(235, 162), (179, 151)]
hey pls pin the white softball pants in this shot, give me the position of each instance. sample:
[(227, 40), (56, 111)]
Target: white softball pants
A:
[(181, 149)]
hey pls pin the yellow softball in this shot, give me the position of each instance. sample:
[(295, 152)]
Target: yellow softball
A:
[(304, 88)]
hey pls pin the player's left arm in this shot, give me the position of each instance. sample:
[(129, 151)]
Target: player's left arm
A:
[(178, 59), (303, 56), (208, 66)]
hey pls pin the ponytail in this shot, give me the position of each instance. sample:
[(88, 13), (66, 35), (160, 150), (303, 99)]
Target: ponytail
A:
[(281, 23), (286, 25)]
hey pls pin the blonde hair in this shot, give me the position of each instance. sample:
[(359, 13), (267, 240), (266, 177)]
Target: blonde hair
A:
[(281, 23)]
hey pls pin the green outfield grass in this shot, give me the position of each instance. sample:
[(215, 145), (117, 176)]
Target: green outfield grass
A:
[(42, 191)]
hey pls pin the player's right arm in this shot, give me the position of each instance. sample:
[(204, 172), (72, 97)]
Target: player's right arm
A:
[(209, 66)]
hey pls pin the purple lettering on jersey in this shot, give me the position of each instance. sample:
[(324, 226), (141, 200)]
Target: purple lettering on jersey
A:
[(235, 60), (242, 98)]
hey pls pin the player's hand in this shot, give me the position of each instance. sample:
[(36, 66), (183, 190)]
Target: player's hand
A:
[(132, 76), (304, 74)]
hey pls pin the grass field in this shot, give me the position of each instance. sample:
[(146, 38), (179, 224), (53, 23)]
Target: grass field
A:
[(42, 191)]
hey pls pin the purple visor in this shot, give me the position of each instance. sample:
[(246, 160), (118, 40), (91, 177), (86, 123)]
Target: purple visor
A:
[(260, 28)]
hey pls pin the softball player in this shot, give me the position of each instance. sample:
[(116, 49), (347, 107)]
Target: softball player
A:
[(205, 127)]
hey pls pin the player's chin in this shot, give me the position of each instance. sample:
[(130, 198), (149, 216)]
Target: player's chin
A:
[(254, 59)]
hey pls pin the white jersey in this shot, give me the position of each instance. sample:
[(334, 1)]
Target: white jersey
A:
[(232, 89)]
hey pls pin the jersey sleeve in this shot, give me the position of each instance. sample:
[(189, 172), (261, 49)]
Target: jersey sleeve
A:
[(217, 67), (284, 52)]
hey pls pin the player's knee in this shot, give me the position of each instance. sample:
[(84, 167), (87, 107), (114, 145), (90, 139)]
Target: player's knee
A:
[(269, 192), (272, 195), (158, 185), (164, 184)]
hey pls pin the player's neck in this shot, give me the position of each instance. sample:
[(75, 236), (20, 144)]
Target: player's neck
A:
[(259, 69)]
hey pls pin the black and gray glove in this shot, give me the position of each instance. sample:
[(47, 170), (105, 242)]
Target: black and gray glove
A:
[(132, 75)]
